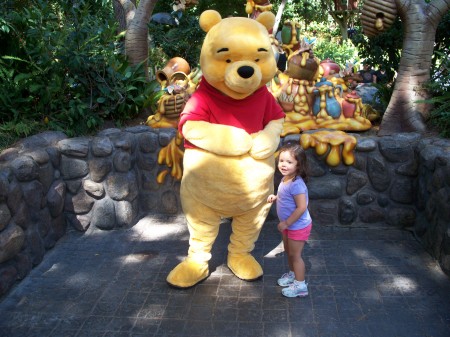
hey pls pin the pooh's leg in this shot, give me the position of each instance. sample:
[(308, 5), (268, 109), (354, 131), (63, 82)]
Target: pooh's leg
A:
[(246, 229), (203, 225)]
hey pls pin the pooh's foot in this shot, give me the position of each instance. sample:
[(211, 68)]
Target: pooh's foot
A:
[(245, 267), (187, 274)]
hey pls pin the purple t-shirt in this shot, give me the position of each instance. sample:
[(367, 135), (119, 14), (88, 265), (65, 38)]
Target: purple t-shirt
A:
[(286, 203)]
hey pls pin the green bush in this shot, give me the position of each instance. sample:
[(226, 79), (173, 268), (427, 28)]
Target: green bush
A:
[(439, 88), (62, 70), (183, 41), (340, 53)]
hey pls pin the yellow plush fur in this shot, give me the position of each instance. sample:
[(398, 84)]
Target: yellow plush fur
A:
[(230, 173)]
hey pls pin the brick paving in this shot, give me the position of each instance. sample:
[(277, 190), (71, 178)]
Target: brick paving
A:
[(362, 282)]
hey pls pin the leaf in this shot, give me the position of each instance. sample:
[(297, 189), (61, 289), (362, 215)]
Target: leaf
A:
[(22, 76)]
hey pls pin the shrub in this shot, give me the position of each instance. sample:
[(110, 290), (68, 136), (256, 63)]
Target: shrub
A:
[(439, 88), (62, 70), (339, 53)]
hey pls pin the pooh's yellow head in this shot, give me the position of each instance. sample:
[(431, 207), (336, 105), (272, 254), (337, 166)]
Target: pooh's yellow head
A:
[(237, 56)]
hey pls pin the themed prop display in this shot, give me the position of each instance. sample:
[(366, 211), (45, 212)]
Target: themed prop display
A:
[(232, 127), (254, 8), (312, 92), (178, 83)]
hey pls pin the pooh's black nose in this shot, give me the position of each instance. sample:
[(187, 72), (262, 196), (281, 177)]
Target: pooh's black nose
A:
[(245, 71)]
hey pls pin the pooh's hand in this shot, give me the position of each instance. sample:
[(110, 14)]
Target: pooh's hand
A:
[(220, 139), (266, 141)]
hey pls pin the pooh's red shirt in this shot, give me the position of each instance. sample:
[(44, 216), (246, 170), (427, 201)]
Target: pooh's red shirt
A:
[(252, 113)]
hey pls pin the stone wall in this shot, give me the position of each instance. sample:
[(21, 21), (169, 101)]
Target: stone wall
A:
[(49, 183)]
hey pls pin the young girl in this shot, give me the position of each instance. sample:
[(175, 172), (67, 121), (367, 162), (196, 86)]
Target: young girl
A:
[(295, 220)]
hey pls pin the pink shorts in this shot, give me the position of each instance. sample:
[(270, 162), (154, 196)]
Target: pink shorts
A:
[(299, 234)]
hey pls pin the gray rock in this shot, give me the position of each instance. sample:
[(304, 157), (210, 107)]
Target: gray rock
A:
[(355, 181), (324, 212), (33, 193), (79, 203), (365, 145), (22, 216), (35, 246), (101, 146), (74, 147), (324, 188), (122, 186), (365, 197), (99, 168), (4, 185), (146, 161), (46, 174), (402, 190), (39, 155), (148, 142), (410, 168), (5, 216), (402, 217), (371, 214), (25, 168), (169, 202), (80, 222), (103, 214), (396, 149), (72, 168), (378, 173), (11, 242), (8, 275), (122, 161), (94, 189), (347, 211), (55, 198), (126, 213)]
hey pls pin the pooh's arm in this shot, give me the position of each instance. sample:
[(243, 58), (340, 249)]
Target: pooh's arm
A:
[(220, 139), (266, 141)]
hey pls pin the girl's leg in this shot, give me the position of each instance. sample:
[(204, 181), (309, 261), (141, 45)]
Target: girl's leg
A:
[(296, 262), (286, 250)]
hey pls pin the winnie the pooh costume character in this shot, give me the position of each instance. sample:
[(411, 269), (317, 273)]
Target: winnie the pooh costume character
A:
[(232, 127)]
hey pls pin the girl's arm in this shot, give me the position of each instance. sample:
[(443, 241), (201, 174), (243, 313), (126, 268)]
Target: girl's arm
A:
[(300, 201)]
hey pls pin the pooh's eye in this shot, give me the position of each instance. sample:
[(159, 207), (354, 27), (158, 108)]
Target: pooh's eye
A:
[(257, 60), (228, 61)]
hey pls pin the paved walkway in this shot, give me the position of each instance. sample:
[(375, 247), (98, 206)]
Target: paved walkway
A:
[(362, 282)]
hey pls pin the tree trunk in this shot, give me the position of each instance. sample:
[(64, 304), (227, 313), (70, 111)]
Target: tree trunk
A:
[(122, 11), (420, 21), (136, 39), (278, 17)]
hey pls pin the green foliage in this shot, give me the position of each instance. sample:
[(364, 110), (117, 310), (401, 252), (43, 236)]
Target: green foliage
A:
[(383, 95), (225, 8), (339, 53), (63, 70), (184, 40), (383, 49), (439, 87)]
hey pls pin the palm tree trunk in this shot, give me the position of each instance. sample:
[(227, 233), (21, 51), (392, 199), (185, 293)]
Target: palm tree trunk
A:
[(136, 39), (404, 113)]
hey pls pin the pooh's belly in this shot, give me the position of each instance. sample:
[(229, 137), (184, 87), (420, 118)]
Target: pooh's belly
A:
[(226, 184)]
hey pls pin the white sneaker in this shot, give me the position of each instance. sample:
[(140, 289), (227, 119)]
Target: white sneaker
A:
[(295, 290), (286, 279)]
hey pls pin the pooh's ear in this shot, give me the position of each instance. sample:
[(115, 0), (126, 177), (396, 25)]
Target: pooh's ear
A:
[(208, 19), (267, 19)]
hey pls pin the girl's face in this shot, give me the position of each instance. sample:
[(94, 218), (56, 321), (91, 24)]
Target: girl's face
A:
[(287, 164)]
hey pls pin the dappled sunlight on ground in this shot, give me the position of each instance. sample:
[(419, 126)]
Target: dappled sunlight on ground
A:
[(362, 282)]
